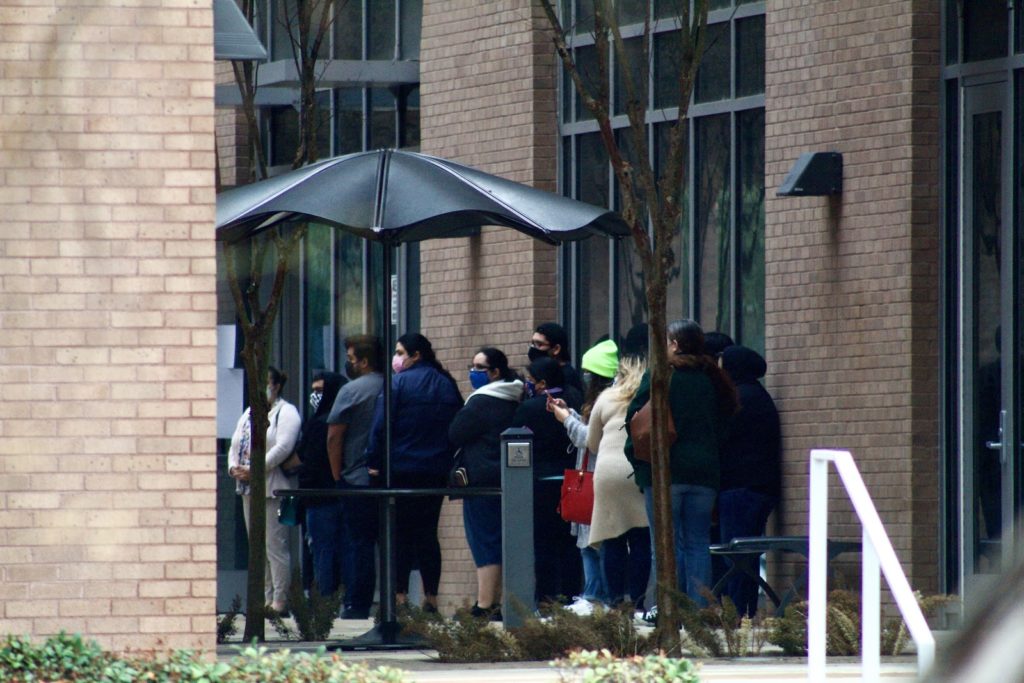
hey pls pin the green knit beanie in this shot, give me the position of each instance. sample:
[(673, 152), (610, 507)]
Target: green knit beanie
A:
[(602, 359)]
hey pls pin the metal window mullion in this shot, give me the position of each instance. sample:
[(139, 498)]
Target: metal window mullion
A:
[(966, 352), (734, 240), (1009, 321), (691, 227)]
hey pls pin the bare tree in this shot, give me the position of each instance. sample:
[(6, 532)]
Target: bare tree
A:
[(307, 23), (651, 206)]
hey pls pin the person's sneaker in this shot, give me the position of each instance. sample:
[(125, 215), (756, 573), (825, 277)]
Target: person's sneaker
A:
[(581, 607), (651, 616), (492, 613)]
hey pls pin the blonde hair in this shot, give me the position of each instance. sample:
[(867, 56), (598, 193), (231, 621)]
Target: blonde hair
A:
[(627, 379)]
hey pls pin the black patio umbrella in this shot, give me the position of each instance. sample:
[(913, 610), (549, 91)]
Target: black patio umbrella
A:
[(392, 197)]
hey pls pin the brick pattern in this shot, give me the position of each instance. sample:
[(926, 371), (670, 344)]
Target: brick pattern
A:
[(487, 84), (852, 311), (107, 517)]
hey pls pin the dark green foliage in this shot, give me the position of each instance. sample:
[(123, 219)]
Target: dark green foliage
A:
[(564, 632), (463, 639), (314, 616), (69, 659), (226, 623)]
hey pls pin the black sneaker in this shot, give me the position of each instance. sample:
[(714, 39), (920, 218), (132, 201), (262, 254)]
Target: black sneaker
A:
[(488, 613)]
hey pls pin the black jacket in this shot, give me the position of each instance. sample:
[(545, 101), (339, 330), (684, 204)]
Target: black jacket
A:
[(312, 446), (751, 454), (477, 430), (551, 452)]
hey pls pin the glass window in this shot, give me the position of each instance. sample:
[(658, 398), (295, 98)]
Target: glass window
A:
[(348, 30), (349, 120), (630, 11), (713, 74), (666, 69), (592, 170), (586, 63), (349, 298), (593, 301), (382, 118), (410, 128), (986, 29), (750, 266), (284, 140), (411, 21), (718, 276), (380, 37), (750, 56), (319, 338), (635, 56), (713, 214)]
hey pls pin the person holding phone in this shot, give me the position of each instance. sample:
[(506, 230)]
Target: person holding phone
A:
[(556, 559)]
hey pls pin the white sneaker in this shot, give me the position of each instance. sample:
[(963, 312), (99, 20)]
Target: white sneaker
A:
[(581, 607)]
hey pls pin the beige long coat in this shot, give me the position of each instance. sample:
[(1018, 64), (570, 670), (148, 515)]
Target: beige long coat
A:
[(618, 503)]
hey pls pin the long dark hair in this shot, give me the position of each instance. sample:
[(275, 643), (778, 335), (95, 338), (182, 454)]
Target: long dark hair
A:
[(497, 360), (414, 342), (595, 386), (689, 339)]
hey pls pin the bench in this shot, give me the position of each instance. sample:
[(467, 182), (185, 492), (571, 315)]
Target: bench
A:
[(744, 554)]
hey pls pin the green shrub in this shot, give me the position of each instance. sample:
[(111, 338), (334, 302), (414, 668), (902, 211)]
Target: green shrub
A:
[(313, 615), (565, 631), (604, 667), (464, 639), (69, 659), (226, 623)]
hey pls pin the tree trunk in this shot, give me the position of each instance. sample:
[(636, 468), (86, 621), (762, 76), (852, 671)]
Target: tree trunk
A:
[(255, 357)]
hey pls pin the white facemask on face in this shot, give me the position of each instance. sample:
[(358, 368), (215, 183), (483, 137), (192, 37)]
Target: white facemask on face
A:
[(270, 394)]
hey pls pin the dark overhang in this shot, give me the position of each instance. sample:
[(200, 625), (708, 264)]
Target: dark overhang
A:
[(233, 37)]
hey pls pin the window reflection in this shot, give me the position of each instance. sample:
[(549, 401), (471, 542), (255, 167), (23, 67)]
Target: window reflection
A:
[(713, 234), (750, 266), (713, 75)]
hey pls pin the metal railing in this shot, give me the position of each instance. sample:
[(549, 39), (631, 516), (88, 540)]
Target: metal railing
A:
[(877, 554)]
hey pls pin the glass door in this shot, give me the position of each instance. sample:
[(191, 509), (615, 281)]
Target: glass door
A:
[(988, 423)]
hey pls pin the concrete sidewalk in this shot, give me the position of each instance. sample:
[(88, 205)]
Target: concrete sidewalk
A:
[(422, 665)]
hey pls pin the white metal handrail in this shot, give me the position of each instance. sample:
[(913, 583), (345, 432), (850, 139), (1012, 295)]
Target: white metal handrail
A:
[(877, 554)]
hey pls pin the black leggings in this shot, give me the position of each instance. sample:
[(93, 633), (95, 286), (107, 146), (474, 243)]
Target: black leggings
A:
[(416, 544)]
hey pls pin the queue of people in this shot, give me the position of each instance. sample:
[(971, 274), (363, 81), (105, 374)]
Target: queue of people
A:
[(725, 456)]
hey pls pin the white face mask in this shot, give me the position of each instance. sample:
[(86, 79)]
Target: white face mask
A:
[(270, 394)]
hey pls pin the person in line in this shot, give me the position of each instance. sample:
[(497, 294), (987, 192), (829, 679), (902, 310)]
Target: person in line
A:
[(348, 431), (282, 433), (751, 459), (600, 363), (619, 525), (556, 559), (476, 429), (701, 399), (551, 339), (323, 515), (424, 401)]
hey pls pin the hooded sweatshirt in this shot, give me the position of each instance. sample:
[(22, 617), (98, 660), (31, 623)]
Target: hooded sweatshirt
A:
[(477, 429), (312, 447), (750, 456)]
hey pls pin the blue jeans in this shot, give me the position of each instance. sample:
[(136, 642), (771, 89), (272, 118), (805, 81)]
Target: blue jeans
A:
[(595, 588), (323, 521), (743, 512), (626, 561), (691, 521), (358, 541)]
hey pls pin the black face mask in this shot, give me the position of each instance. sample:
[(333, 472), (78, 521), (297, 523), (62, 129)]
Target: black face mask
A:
[(350, 370), (534, 353)]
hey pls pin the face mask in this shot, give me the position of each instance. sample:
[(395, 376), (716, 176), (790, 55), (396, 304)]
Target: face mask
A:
[(350, 370), (397, 363), (314, 400), (534, 353), (270, 394), (478, 378), (530, 388)]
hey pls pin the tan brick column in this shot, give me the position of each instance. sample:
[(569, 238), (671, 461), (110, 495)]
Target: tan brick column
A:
[(852, 308), (488, 100), (107, 496)]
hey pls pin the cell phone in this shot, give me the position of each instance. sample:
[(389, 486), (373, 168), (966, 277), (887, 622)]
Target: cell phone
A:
[(553, 392)]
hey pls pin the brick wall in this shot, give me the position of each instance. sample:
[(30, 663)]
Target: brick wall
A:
[(852, 282), (487, 87), (107, 308)]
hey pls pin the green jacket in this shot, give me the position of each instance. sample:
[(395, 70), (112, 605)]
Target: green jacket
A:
[(699, 429)]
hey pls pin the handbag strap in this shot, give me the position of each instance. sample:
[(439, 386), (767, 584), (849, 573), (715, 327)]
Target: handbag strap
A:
[(586, 460)]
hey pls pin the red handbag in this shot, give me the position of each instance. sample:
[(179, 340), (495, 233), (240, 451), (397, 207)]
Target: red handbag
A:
[(577, 500)]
